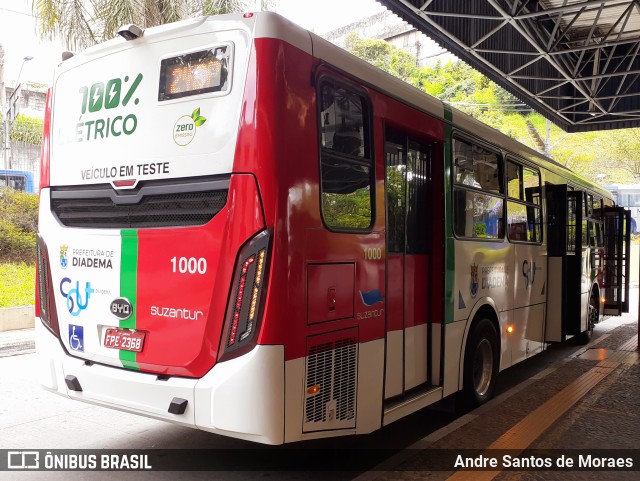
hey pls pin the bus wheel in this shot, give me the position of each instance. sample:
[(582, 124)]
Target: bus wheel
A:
[(481, 360), (594, 314)]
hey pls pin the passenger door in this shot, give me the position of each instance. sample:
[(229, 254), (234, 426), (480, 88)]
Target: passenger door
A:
[(407, 176), (565, 262), (617, 230)]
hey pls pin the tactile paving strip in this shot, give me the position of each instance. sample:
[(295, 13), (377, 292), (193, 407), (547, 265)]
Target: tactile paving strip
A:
[(522, 434)]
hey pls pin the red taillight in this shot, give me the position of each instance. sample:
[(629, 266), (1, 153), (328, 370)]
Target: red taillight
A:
[(244, 309), (45, 152), (45, 303), (124, 183)]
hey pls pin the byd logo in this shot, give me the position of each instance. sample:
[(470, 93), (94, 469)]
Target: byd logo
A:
[(75, 304), (121, 308)]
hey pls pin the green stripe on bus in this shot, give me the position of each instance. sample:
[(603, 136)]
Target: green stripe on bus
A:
[(128, 287), (450, 260), (448, 117)]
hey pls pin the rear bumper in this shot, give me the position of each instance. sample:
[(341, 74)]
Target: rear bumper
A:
[(241, 398)]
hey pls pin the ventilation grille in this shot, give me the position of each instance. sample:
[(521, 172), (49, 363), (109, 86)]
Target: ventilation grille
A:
[(158, 210), (331, 384), (344, 382), (43, 275), (319, 370)]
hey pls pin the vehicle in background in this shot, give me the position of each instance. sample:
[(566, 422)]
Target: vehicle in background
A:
[(628, 196), (20, 180)]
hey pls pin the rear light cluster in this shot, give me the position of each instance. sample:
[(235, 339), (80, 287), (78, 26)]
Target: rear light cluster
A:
[(45, 302), (45, 156), (243, 312)]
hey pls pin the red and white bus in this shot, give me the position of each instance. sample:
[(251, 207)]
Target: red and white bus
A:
[(246, 230)]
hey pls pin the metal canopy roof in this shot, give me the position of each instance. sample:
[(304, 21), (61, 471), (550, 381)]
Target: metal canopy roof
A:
[(576, 62)]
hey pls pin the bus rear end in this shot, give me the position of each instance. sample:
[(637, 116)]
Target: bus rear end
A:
[(153, 253)]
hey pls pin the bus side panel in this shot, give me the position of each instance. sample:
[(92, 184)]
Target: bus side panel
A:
[(484, 276), (530, 300), (278, 143)]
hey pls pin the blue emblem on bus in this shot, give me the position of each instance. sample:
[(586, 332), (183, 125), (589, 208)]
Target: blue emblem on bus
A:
[(371, 297), (474, 280), (64, 260), (75, 303), (76, 338)]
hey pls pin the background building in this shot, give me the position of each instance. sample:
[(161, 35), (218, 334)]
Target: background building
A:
[(24, 124)]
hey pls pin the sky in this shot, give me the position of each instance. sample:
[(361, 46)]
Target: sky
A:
[(19, 37)]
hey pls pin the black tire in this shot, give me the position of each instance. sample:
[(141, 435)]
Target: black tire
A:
[(481, 365), (593, 319)]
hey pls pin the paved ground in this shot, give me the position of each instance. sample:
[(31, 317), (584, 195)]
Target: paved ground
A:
[(16, 342)]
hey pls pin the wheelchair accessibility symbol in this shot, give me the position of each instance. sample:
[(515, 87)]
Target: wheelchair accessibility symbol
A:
[(76, 338)]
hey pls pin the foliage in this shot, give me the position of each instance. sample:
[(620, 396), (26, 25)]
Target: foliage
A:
[(347, 211), (395, 183), (383, 55), (17, 281), (83, 24), (623, 148), (479, 229), (26, 129), (18, 225), (218, 7)]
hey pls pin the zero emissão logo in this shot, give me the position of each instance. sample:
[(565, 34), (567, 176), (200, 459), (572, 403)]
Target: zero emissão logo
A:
[(185, 128)]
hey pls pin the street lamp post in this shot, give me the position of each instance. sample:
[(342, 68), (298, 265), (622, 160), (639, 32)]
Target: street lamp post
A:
[(5, 114)]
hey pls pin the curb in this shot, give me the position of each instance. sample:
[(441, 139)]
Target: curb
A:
[(12, 318)]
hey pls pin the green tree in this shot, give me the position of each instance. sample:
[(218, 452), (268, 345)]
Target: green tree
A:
[(18, 225), (23, 129), (219, 7), (623, 150), (82, 24), (26, 129), (382, 55)]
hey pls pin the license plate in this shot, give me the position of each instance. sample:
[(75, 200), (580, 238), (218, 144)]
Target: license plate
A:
[(124, 339)]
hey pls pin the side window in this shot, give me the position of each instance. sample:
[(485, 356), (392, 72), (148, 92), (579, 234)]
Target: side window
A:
[(594, 217), (585, 221), (395, 189), (571, 224), (477, 192), (16, 182), (346, 162), (514, 180), (407, 173), (524, 207)]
